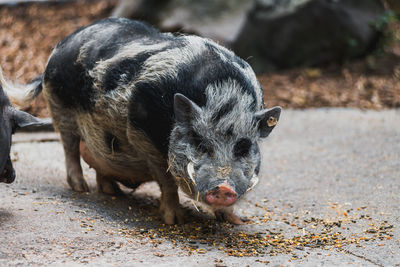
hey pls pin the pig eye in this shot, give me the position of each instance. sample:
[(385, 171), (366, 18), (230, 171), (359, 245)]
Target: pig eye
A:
[(242, 148), (200, 144), (196, 139)]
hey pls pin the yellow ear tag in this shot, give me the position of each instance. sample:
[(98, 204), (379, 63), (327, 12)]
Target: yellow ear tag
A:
[(272, 121)]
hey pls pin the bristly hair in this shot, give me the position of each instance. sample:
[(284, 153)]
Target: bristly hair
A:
[(19, 94)]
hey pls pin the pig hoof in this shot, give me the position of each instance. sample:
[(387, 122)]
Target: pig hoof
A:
[(109, 188), (172, 215), (78, 184), (230, 217)]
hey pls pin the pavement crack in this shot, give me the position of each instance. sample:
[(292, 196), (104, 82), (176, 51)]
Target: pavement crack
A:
[(362, 257)]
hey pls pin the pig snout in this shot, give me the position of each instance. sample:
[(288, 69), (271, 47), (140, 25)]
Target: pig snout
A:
[(223, 195), (8, 174)]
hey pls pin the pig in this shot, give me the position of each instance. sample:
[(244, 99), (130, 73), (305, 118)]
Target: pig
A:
[(11, 120), (139, 105)]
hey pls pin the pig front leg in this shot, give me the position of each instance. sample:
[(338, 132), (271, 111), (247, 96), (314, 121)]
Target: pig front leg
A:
[(227, 214), (170, 209), (72, 161)]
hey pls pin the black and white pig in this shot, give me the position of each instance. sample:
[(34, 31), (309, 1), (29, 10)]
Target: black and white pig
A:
[(140, 105), (11, 120)]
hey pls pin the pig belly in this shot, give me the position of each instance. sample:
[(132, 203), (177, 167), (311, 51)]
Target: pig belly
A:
[(88, 157), (103, 168)]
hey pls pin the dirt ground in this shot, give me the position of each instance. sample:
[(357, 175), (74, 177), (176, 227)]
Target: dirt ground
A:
[(28, 33)]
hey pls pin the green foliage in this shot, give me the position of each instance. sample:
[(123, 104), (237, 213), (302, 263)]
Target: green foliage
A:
[(385, 20), (389, 34), (351, 42)]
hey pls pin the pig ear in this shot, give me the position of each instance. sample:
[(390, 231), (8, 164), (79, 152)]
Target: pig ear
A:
[(23, 119), (267, 118), (185, 109)]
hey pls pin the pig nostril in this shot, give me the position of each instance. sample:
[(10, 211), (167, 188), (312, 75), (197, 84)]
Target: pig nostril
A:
[(215, 194), (229, 195)]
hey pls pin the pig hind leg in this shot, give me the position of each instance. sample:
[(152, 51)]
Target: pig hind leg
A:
[(64, 121), (107, 185), (72, 161)]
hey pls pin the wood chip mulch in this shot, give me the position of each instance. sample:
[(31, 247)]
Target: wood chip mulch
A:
[(28, 33)]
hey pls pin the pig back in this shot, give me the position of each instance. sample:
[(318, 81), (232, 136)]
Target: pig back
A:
[(123, 75)]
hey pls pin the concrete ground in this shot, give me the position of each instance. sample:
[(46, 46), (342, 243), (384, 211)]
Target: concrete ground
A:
[(329, 196)]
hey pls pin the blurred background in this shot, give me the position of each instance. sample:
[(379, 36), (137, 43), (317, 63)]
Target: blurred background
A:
[(307, 53)]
